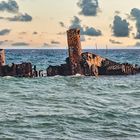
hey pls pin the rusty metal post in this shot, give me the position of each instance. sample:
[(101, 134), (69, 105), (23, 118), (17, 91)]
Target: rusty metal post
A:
[(2, 57), (74, 48)]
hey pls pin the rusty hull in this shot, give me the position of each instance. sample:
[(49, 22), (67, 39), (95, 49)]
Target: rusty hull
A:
[(17, 70), (88, 64)]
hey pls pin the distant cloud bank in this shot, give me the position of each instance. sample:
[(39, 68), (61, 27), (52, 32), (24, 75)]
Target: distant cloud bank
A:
[(4, 32), (86, 30), (11, 6), (20, 44)]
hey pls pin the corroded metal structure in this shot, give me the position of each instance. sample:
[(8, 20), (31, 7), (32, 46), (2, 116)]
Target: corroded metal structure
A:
[(95, 65), (17, 70), (88, 64), (2, 57), (74, 49)]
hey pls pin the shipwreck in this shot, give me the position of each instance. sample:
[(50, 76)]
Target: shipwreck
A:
[(78, 62), (87, 63)]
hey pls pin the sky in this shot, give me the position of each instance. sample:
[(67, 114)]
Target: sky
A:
[(43, 23)]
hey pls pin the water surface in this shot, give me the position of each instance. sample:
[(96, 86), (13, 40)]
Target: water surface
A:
[(70, 108)]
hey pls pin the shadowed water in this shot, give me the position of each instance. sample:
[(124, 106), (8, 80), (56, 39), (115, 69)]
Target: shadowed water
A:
[(70, 108)]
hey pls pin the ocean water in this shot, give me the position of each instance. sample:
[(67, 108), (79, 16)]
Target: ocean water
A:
[(73, 107)]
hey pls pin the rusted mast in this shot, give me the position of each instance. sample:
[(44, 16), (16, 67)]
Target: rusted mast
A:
[(2, 57), (74, 49)]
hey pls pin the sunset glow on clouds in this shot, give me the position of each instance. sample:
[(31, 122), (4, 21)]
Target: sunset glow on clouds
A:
[(43, 23)]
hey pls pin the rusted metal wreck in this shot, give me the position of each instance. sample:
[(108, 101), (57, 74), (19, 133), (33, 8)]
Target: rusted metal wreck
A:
[(86, 63), (17, 70)]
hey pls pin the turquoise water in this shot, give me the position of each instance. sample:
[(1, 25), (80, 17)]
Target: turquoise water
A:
[(70, 108)]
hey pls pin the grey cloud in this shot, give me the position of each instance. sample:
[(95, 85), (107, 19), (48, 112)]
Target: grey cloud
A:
[(76, 23), (46, 44), (137, 36), (61, 33), (117, 12), (20, 44), (4, 32), (90, 31), (23, 33), (2, 42), (137, 44), (21, 17), (115, 42), (120, 27), (2, 18), (18, 18), (10, 6), (55, 42), (88, 7), (135, 13), (62, 24), (35, 33)]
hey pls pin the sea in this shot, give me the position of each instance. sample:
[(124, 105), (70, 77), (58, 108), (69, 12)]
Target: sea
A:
[(71, 107)]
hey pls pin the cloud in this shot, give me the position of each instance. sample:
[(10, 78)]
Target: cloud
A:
[(4, 32), (120, 27), (90, 31), (62, 24), (20, 44), (46, 44), (55, 42), (82, 38), (137, 44), (61, 33), (76, 23), (117, 12), (20, 17), (2, 42), (88, 7), (10, 6), (114, 41), (35, 33), (23, 33), (135, 13)]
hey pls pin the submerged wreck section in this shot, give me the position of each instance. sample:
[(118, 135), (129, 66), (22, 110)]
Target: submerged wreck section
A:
[(17, 70), (88, 64), (73, 62)]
